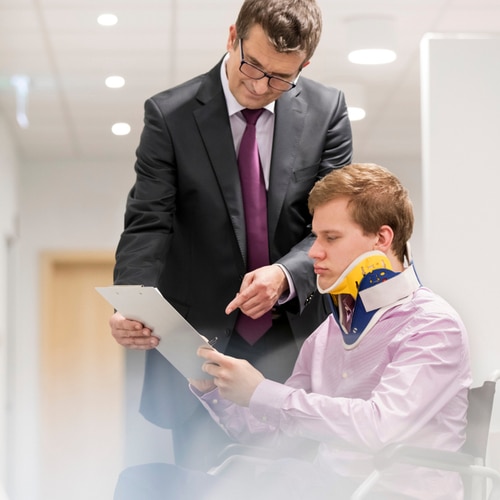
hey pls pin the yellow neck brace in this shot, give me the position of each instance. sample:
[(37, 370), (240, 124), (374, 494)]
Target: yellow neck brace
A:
[(349, 280)]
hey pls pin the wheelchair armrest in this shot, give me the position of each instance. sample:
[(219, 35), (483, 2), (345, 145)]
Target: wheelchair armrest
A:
[(248, 451), (302, 449), (426, 457), (462, 463)]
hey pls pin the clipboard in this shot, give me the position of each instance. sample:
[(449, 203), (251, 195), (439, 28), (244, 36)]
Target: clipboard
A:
[(178, 339)]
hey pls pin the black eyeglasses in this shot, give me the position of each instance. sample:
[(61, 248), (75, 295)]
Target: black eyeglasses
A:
[(257, 74)]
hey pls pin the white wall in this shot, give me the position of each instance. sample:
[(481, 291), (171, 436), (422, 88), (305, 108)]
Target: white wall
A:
[(8, 219), (409, 172), (461, 156)]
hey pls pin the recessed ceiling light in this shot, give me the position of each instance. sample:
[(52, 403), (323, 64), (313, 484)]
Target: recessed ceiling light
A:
[(371, 40), (355, 114), (355, 99), (115, 82), (107, 19), (120, 129), (372, 56)]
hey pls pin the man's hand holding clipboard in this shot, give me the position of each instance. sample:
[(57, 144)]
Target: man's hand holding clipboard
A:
[(178, 340)]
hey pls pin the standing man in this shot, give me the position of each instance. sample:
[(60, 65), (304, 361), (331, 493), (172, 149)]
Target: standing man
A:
[(189, 222)]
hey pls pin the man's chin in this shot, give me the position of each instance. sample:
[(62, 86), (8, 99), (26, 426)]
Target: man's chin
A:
[(323, 283)]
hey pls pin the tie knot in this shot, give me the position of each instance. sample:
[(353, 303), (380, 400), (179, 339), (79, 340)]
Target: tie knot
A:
[(252, 115), (348, 301)]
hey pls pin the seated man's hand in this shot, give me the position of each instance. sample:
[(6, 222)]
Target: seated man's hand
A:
[(235, 378), (132, 334), (203, 385)]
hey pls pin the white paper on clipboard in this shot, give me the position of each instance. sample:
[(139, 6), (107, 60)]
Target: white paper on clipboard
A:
[(178, 339)]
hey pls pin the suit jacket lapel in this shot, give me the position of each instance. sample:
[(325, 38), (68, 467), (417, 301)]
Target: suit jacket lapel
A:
[(213, 123), (288, 129)]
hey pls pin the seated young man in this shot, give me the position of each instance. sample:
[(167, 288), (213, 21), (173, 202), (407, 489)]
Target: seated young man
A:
[(389, 365)]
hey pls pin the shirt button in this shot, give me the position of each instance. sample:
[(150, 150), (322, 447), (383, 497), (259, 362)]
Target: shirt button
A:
[(344, 374), (215, 401), (264, 419)]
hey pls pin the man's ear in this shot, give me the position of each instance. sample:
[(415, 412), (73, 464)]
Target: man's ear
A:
[(232, 38), (385, 236)]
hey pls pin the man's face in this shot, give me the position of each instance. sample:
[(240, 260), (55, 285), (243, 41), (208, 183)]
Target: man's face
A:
[(339, 240), (259, 52)]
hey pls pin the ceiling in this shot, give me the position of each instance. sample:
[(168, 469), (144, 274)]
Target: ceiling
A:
[(159, 43)]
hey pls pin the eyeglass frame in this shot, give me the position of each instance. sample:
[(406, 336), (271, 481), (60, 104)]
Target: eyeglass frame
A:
[(264, 74)]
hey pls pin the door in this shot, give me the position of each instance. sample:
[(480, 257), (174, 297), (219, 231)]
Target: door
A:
[(82, 380)]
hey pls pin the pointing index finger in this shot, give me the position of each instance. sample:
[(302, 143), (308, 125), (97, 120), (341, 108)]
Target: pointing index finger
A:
[(234, 304)]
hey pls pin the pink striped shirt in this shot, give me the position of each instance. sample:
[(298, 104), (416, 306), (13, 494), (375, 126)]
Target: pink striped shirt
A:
[(406, 381)]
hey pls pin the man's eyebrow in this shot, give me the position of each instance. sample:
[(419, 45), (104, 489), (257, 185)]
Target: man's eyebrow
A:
[(254, 61), (333, 231)]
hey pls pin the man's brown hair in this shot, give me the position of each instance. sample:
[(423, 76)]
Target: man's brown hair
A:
[(376, 198), (291, 25)]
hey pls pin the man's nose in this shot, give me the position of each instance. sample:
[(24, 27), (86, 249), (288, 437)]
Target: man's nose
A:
[(261, 86), (315, 250)]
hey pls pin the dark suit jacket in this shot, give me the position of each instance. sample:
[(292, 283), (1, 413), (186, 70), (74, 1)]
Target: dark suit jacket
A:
[(184, 223)]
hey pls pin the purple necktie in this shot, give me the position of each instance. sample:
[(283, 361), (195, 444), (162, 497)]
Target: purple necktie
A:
[(255, 205), (348, 306)]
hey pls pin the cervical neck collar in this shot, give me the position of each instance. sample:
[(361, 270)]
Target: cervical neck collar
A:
[(348, 282), (373, 284)]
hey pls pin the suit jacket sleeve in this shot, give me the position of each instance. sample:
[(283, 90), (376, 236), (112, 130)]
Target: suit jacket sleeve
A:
[(141, 251), (325, 144)]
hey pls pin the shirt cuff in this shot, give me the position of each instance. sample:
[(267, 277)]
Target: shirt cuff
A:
[(291, 287), (268, 400), (211, 399)]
